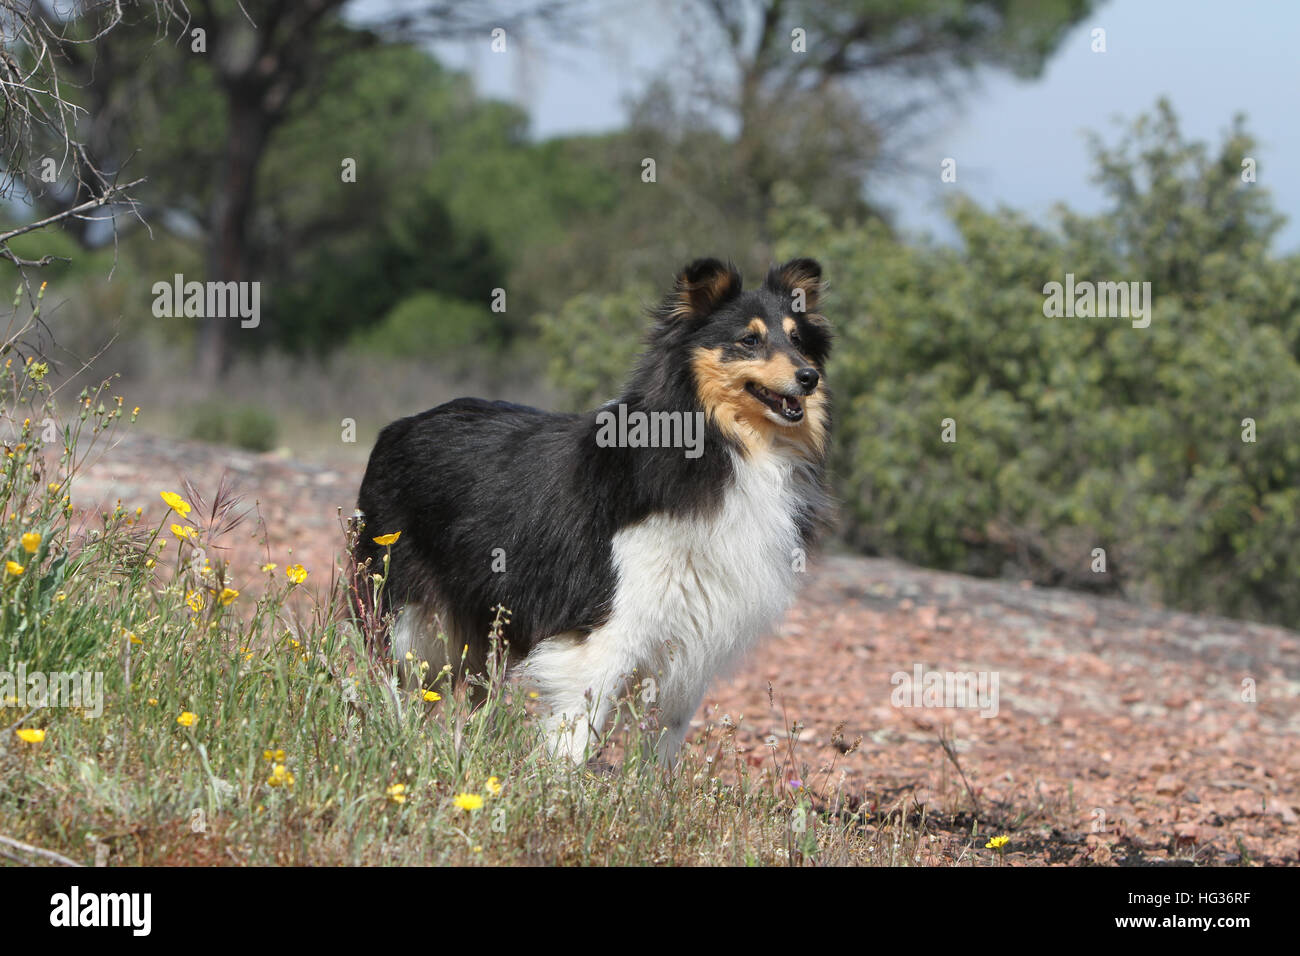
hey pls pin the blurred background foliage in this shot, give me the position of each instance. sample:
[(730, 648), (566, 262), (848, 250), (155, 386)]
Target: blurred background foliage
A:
[(1072, 434)]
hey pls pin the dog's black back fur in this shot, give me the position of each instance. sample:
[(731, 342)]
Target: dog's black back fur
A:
[(426, 479)]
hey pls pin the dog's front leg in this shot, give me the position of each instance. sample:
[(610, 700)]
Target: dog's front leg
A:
[(578, 678), (676, 711)]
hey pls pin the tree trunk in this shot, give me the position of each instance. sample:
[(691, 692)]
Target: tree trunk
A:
[(228, 258)]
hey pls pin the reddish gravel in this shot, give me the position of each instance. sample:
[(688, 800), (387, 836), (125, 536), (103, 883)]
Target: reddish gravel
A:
[(1121, 734)]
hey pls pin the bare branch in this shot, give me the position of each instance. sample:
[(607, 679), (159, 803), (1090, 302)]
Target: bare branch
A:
[(113, 193), (27, 848)]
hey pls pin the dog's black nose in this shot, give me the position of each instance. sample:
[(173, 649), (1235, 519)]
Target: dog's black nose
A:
[(807, 378)]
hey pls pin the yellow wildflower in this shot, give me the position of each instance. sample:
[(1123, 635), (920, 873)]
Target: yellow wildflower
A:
[(296, 573), (14, 568), (31, 541), (227, 596), (280, 776), (176, 503), (432, 696), (387, 539), (195, 601), (997, 843), (187, 718), (29, 736), (468, 801), (494, 786), (397, 793)]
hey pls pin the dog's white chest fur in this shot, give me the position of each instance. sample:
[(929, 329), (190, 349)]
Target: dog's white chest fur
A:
[(693, 594), (702, 591)]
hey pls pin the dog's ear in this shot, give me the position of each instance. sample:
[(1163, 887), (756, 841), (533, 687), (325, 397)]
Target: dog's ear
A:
[(801, 279), (702, 287)]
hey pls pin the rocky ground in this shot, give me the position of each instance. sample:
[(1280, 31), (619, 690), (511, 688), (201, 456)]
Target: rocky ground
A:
[(1122, 734)]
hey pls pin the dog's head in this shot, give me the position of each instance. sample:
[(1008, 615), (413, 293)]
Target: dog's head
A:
[(758, 357)]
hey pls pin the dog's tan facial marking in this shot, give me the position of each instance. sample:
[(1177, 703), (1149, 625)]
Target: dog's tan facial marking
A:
[(757, 326), (814, 431), (721, 385), (790, 325), (778, 372)]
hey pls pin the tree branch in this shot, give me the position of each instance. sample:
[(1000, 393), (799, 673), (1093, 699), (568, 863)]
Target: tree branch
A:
[(49, 855), (108, 196)]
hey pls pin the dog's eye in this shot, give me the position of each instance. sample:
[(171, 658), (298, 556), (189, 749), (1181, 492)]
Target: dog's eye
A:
[(751, 341), (795, 340)]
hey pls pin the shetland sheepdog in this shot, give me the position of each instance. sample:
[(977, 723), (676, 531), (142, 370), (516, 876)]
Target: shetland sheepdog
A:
[(653, 539)]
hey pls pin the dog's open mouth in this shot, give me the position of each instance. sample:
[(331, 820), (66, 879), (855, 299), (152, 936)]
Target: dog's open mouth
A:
[(787, 406)]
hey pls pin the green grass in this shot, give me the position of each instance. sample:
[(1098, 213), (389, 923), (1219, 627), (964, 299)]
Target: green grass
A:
[(154, 791), (368, 774)]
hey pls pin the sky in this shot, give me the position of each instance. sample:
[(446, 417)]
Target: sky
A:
[(1018, 143)]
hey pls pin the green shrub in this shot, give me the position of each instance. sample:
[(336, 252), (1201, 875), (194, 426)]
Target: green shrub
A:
[(244, 426), (593, 341), (429, 325), (1080, 433)]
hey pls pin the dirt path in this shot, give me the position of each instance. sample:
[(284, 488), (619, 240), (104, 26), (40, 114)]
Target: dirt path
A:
[(1121, 734)]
